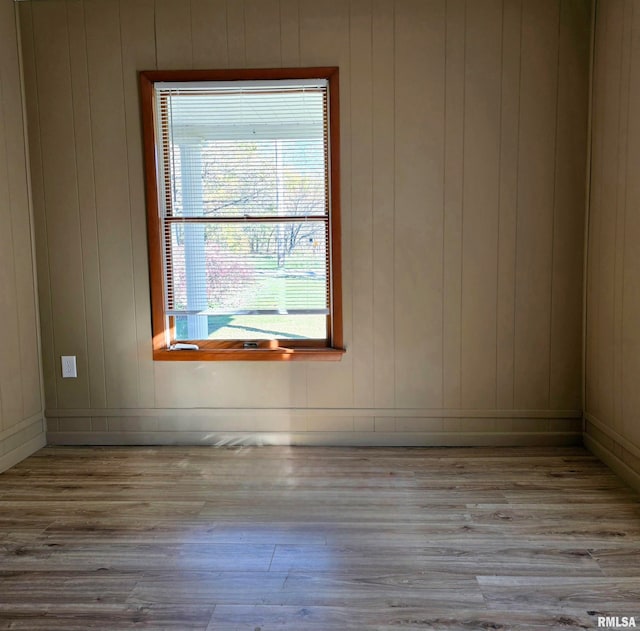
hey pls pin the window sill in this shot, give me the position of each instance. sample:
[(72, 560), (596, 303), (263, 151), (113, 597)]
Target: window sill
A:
[(258, 354)]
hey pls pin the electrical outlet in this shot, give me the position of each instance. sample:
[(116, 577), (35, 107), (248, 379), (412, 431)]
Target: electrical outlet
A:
[(69, 366)]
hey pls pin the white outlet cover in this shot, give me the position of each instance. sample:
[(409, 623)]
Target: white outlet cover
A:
[(69, 369)]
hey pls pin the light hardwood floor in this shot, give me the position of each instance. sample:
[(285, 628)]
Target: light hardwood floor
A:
[(315, 538)]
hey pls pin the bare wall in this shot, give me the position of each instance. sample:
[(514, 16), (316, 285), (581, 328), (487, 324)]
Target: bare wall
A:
[(463, 153), (21, 404), (613, 279)]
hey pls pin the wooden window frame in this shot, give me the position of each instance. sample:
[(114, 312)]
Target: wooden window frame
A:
[(163, 327)]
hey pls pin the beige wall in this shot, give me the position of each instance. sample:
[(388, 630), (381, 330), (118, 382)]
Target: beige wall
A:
[(613, 279), (463, 152), (21, 413)]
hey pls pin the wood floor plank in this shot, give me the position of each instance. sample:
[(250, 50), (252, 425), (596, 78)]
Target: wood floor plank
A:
[(50, 509), (314, 618), (617, 562), (605, 524), (208, 587), (619, 595), (471, 560), (44, 588), (104, 617), (139, 557), (190, 530), (393, 590)]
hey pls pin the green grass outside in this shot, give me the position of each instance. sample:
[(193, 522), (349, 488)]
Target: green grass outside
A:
[(270, 293)]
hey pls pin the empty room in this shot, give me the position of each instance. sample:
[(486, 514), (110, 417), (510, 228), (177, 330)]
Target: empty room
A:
[(319, 315)]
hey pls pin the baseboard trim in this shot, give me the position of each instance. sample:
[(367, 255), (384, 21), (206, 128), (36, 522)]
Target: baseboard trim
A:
[(309, 412), (343, 439), (10, 431), (620, 468), (612, 434), (20, 453)]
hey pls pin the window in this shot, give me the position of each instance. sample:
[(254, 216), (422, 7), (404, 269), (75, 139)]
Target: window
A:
[(243, 213)]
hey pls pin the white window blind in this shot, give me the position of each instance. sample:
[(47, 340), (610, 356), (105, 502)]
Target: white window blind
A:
[(244, 207)]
